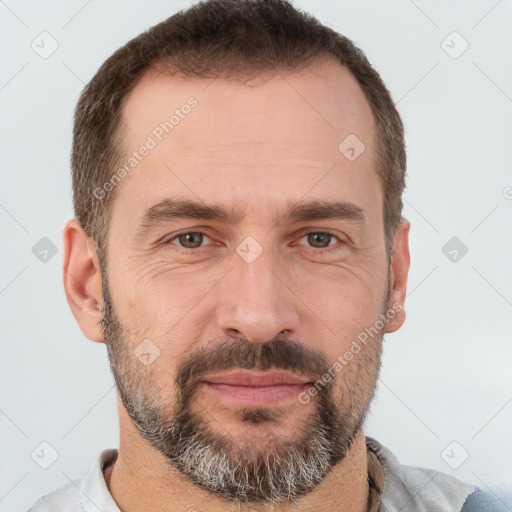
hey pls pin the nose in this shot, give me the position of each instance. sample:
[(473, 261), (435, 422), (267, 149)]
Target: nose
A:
[(256, 302)]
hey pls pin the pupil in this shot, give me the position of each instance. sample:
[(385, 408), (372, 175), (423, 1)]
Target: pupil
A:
[(313, 239), (188, 239)]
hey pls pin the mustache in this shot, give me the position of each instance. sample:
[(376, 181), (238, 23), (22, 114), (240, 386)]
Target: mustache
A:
[(278, 354)]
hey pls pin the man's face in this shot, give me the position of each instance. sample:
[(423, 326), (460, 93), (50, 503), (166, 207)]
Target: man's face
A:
[(244, 313)]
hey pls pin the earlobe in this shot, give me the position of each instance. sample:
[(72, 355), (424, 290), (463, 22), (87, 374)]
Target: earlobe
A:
[(82, 280), (399, 270)]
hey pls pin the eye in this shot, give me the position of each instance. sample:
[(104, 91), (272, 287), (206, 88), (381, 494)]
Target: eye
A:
[(321, 239), (189, 240)]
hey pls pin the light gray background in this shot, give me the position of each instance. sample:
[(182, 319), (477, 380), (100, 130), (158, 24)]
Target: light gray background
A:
[(446, 374)]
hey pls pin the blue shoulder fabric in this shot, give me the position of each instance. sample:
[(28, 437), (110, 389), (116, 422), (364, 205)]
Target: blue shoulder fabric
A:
[(483, 501)]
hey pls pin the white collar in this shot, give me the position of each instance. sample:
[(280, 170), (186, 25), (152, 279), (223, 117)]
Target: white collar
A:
[(406, 488)]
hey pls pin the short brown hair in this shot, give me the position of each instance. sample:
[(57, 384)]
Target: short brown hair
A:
[(211, 39)]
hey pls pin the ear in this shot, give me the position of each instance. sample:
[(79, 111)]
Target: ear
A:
[(82, 280), (399, 270)]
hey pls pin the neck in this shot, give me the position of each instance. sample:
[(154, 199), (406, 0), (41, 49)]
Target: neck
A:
[(142, 479)]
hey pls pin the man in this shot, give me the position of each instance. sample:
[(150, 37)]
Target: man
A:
[(239, 247)]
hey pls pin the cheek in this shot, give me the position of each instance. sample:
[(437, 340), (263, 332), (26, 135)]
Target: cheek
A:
[(158, 302), (156, 290), (345, 296), (339, 309)]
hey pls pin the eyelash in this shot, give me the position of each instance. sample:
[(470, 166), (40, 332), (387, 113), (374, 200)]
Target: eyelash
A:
[(184, 250)]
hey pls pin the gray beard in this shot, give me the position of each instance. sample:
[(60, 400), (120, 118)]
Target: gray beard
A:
[(285, 471)]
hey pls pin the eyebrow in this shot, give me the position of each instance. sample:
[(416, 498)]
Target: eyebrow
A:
[(170, 210)]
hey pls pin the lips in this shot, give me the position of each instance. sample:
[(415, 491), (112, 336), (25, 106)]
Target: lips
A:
[(258, 389), (254, 379)]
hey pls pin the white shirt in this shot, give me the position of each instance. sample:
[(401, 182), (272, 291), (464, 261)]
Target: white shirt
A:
[(406, 488)]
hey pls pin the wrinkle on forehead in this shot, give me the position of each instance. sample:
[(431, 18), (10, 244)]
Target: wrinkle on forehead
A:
[(324, 95)]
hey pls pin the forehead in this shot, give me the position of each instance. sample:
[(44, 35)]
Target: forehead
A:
[(324, 93), (224, 138)]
